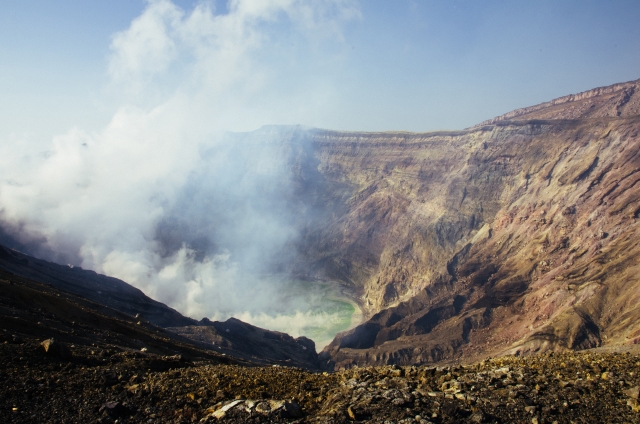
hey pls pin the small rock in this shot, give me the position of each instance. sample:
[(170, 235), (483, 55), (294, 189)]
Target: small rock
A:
[(110, 379), (57, 349), (220, 413), (115, 409), (398, 401), (633, 392), (477, 417), (249, 405), (276, 404), (263, 408), (291, 409), (351, 413)]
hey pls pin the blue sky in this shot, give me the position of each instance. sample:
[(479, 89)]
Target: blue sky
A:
[(399, 65)]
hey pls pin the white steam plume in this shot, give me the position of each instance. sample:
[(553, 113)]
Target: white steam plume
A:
[(163, 197)]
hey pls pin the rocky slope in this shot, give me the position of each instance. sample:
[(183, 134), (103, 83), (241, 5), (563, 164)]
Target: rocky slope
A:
[(132, 387), (101, 289), (515, 236), (67, 359), (245, 340), (86, 309)]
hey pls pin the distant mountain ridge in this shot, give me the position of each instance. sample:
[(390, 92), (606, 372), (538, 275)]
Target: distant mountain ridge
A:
[(614, 100)]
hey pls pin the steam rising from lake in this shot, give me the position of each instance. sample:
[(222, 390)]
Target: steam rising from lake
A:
[(164, 197)]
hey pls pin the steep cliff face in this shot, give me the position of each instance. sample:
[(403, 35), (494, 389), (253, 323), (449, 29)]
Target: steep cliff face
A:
[(415, 199), (513, 236)]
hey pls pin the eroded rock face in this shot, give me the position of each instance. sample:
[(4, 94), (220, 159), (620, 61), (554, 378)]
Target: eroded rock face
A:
[(510, 237)]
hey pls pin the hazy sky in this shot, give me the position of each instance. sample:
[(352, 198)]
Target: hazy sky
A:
[(414, 65)]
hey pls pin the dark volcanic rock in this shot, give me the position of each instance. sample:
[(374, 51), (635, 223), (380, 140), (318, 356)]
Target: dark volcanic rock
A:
[(115, 409), (244, 340), (572, 387), (106, 291), (30, 310)]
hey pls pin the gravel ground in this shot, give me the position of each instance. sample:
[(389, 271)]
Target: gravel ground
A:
[(107, 384)]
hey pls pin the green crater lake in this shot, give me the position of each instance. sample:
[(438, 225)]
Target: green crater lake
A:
[(314, 309)]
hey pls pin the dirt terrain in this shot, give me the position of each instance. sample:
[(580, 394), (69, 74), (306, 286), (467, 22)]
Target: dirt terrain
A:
[(108, 384)]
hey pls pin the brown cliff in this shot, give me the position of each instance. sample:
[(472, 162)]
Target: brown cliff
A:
[(513, 236)]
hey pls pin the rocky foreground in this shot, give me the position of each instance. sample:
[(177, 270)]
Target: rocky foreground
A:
[(108, 384)]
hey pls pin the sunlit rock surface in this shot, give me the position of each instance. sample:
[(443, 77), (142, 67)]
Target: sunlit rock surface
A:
[(515, 236)]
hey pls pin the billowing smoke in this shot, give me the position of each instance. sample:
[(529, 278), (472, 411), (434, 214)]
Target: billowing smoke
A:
[(165, 197)]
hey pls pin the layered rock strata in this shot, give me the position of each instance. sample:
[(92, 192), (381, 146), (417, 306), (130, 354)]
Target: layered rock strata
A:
[(515, 236)]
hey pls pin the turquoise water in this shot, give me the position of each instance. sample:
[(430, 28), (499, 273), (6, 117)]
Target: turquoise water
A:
[(336, 310), (315, 309)]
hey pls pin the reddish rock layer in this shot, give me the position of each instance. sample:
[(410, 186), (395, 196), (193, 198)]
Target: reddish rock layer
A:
[(513, 237)]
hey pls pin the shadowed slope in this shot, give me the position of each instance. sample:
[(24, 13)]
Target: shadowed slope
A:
[(89, 309)]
